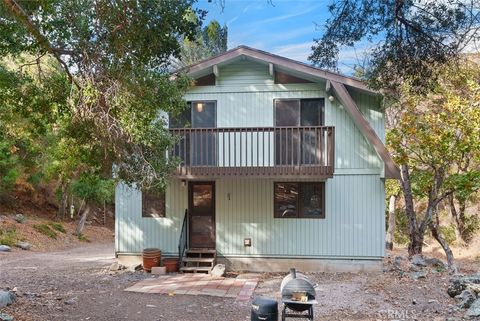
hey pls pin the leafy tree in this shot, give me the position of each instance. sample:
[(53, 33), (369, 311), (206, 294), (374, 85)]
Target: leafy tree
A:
[(416, 41), (414, 37), (466, 188), (27, 114), (209, 41), (434, 140), (114, 59)]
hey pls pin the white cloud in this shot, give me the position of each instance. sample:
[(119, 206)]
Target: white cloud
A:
[(349, 57), (290, 15), (229, 22), (246, 8), (294, 33), (296, 51)]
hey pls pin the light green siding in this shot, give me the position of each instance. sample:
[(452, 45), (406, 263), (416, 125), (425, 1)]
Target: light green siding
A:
[(245, 98), (354, 224), (134, 232), (353, 227)]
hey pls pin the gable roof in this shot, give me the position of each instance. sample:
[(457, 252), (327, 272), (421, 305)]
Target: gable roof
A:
[(267, 57), (335, 81)]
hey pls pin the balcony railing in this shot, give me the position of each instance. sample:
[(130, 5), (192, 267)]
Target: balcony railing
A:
[(255, 151)]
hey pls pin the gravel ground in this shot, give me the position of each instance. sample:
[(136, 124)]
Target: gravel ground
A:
[(76, 285)]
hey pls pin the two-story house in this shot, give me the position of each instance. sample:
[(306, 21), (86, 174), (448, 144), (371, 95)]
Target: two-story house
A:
[(282, 165)]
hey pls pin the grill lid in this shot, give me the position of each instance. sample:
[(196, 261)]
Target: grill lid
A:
[(263, 305), (295, 282)]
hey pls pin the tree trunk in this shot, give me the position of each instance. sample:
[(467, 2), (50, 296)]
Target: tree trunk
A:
[(461, 220), (458, 222), (63, 200), (71, 206), (416, 238), (104, 214), (81, 223), (452, 268), (391, 223)]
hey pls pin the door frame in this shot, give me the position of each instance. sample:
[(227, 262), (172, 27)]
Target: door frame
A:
[(190, 206)]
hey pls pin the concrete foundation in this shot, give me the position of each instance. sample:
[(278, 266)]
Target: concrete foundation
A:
[(301, 264), (257, 264), (129, 260)]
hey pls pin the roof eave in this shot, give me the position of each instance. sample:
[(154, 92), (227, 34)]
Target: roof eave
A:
[(276, 60)]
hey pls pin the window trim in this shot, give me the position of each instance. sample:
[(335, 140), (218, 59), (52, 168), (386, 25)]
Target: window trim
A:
[(300, 213)]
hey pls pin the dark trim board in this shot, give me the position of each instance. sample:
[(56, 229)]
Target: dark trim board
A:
[(391, 170)]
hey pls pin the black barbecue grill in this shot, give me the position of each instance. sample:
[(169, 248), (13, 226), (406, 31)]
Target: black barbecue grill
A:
[(298, 296)]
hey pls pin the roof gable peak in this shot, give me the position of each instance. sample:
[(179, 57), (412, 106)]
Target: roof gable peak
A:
[(207, 65)]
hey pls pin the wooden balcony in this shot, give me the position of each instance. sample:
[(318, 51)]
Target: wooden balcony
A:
[(295, 152)]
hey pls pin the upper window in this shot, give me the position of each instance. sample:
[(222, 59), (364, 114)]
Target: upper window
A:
[(203, 114), (182, 120), (153, 204), (299, 200), (299, 112), (198, 114), (300, 146)]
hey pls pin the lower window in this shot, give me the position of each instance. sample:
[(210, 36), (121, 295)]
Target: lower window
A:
[(153, 204), (299, 200)]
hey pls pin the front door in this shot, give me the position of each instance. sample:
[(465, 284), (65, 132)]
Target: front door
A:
[(201, 214)]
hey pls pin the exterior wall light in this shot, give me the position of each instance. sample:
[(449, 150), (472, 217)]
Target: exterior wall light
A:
[(331, 98)]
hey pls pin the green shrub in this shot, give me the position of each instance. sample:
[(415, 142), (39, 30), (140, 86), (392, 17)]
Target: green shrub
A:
[(448, 233), (401, 227), (83, 238), (94, 188), (8, 237), (58, 227), (45, 230), (472, 226)]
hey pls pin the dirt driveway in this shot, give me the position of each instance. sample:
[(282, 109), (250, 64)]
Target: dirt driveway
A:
[(76, 285)]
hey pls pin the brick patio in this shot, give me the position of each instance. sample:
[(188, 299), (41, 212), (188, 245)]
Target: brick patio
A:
[(198, 284)]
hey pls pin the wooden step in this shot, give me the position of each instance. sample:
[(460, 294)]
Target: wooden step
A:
[(199, 259), (201, 251), (196, 269)]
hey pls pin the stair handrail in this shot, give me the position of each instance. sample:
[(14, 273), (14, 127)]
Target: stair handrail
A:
[(183, 242)]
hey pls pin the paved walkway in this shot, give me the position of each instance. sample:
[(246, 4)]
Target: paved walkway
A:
[(198, 284)]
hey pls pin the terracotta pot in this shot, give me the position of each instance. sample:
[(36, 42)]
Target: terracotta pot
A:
[(171, 265), (151, 258)]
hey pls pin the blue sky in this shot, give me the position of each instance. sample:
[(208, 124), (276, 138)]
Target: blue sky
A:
[(286, 28)]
